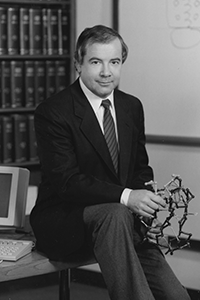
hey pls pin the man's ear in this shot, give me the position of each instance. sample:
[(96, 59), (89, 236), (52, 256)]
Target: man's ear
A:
[(77, 66)]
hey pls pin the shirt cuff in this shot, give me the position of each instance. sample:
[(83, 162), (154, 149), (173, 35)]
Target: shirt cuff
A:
[(124, 196)]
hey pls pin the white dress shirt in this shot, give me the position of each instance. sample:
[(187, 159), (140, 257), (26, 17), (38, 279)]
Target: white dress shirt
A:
[(95, 102)]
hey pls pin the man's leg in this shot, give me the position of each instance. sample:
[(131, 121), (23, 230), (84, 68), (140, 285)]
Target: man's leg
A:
[(162, 281), (111, 231)]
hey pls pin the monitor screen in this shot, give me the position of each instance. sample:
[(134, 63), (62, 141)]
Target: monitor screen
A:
[(5, 188), (14, 183)]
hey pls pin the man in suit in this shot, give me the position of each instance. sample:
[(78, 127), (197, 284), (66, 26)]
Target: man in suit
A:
[(93, 194)]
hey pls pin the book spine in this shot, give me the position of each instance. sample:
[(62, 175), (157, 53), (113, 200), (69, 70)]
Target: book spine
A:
[(40, 82), (29, 72), (65, 31), (1, 143), (13, 30), (3, 30), (7, 139), (60, 41), (24, 31), (32, 147), (44, 30), (0, 85), (35, 31), (5, 84), (52, 20), (21, 138), (17, 84), (50, 78), (62, 75)]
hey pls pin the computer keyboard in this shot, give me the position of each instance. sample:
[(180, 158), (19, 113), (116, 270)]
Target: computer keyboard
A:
[(14, 249)]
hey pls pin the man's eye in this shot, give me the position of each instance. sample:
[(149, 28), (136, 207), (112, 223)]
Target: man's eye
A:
[(95, 62), (115, 62)]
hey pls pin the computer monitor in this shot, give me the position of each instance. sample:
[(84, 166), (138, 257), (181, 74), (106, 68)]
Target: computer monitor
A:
[(14, 183)]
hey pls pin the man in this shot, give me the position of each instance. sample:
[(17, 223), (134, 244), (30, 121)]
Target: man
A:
[(93, 190)]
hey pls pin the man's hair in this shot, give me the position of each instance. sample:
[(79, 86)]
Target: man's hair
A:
[(97, 34)]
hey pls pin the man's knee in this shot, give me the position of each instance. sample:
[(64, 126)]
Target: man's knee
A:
[(109, 217), (119, 210), (119, 215)]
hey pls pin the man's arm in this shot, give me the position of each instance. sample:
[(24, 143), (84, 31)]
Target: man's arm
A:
[(140, 198)]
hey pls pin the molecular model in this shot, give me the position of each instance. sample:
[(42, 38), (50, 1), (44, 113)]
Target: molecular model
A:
[(177, 200)]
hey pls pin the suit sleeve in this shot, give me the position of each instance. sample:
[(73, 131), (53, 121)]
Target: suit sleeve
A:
[(142, 171)]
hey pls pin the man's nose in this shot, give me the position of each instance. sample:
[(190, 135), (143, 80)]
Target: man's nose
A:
[(105, 70)]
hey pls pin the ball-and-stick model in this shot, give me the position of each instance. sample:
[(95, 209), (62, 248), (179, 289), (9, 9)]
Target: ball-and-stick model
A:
[(177, 199)]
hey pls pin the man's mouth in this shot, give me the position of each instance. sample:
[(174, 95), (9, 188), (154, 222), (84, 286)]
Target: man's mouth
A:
[(104, 82)]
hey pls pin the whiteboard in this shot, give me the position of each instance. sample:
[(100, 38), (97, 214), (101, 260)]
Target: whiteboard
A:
[(163, 65)]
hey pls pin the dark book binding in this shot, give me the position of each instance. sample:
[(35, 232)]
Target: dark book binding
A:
[(1, 143), (3, 30), (40, 82), (62, 75), (0, 86), (7, 139), (35, 31), (20, 138), (24, 31), (13, 30), (50, 78), (60, 38), (29, 78), (17, 84), (32, 144), (5, 100), (52, 21), (44, 31), (65, 32)]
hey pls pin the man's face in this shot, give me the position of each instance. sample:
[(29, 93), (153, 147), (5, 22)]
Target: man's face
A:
[(101, 67)]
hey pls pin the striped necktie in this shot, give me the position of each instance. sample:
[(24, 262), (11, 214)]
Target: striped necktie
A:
[(109, 133)]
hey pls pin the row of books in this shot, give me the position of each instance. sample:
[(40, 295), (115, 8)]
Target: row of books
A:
[(34, 31), (27, 83), (17, 139), (48, 1)]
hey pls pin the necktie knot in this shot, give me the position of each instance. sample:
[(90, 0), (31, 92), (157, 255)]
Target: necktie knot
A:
[(106, 103)]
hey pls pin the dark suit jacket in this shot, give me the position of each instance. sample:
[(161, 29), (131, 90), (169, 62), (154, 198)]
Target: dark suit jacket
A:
[(77, 170)]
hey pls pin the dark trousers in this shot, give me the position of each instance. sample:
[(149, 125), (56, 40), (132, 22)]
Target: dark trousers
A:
[(131, 270)]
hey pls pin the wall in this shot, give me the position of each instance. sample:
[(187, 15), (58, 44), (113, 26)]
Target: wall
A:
[(164, 60), (90, 13)]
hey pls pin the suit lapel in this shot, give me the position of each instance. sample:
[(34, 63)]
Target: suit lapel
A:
[(90, 126)]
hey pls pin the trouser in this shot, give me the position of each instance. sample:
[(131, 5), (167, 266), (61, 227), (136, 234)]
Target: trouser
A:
[(131, 270)]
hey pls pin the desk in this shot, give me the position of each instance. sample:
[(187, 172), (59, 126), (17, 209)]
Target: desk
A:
[(36, 263)]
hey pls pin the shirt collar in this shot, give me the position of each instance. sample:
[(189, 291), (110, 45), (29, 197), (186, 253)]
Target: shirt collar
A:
[(94, 100)]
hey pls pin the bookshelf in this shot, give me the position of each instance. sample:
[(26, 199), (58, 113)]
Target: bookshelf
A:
[(36, 61)]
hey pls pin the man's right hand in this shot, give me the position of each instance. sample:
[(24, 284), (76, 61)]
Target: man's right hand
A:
[(145, 203)]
